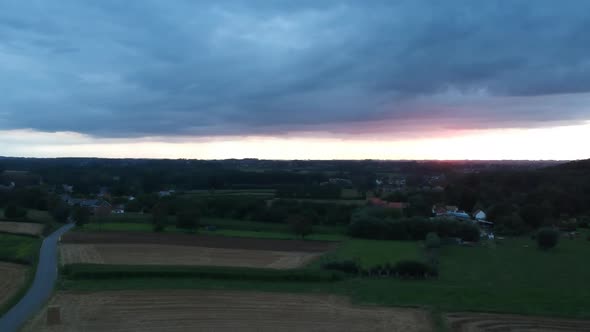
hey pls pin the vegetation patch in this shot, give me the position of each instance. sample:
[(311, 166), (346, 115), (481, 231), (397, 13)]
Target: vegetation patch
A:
[(18, 248), (101, 271)]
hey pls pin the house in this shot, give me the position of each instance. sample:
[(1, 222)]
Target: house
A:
[(375, 201), (165, 193), (451, 208), (118, 209), (450, 211), (479, 215), (97, 207), (8, 187), (67, 188)]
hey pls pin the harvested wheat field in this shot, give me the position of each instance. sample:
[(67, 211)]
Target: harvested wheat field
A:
[(196, 310), (27, 228), (482, 322), (209, 241), (12, 277), (153, 254)]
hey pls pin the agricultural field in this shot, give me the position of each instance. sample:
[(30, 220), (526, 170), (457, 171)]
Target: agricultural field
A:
[(486, 322), (201, 310), (13, 277), (26, 228), (18, 248), (509, 276), (134, 248), (144, 227), (150, 254), (34, 215), (142, 222), (373, 252)]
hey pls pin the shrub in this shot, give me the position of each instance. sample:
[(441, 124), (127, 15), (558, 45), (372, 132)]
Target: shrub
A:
[(13, 211), (343, 266), (547, 238), (366, 226), (414, 269), (301, 225), (103, 271), (432, 240)]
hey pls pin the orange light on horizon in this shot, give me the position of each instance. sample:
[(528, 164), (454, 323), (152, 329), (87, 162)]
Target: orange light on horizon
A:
[(564, 142)]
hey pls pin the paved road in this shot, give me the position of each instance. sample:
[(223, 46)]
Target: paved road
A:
[(42, 286)]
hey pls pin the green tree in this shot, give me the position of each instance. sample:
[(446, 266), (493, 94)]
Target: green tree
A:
[(432, 240), (301, 225), (187, 217), (12, 211), (81, 215), (61, 212), (159, 214), (547, 238)]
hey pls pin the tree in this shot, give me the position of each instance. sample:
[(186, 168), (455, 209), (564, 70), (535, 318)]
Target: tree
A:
[(432, 240), (12, 211), (547, 238), (533, 215), (187, 218), (301, 225), (81, 215), (60, 212), (159, 217)]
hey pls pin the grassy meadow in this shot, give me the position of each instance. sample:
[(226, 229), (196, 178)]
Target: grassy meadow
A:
[(19, 248)]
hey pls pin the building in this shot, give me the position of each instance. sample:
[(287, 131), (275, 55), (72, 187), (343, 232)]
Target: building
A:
[(479, 215), (375, 201), (97, 207)]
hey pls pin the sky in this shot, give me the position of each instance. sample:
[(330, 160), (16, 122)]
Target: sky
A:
[(295, 79)]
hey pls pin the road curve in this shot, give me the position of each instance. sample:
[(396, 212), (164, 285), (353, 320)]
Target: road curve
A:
[(42, 286)]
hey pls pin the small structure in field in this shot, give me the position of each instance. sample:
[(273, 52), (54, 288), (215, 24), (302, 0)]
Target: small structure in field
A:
[(53, 315)]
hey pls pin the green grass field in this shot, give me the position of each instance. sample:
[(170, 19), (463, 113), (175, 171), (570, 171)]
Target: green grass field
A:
[(33, 216), (143, 227), (513, 276), (233, 224), (18, 248), (369, 253)]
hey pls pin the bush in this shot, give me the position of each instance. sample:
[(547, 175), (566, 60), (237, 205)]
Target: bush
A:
[(343, 266), (13, 211), (366, 226), (547, 238), (414, 269), (102, 271), (432, 240)]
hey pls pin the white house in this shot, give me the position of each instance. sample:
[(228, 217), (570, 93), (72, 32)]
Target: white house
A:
[(479, 215)]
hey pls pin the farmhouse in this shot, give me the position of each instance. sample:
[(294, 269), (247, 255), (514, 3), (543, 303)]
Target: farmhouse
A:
[(375, 201), (97, 207), (479, 215)]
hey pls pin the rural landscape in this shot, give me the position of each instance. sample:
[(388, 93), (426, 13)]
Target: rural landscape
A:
[(299, 245), (268, 166)]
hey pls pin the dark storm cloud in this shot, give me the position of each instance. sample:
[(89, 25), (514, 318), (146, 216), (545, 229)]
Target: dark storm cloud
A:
[(142, 68)]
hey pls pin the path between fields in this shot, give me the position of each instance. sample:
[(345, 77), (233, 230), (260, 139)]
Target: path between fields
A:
[(42, 286)]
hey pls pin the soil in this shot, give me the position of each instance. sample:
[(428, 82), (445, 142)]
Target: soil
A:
[(487, 322), (26, 228), (148, 254), (206, 310), (196, 240), (12, 277)]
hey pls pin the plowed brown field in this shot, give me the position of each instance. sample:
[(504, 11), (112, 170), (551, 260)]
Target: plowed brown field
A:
[(12, 277), (194, 310), (198, 241), (27, 228), (154, 254), (482, 322)]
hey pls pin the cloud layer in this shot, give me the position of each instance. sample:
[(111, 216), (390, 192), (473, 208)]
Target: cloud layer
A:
[(207, 68)]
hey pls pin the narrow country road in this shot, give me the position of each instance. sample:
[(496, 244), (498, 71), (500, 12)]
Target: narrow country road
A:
[(42, 286)]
